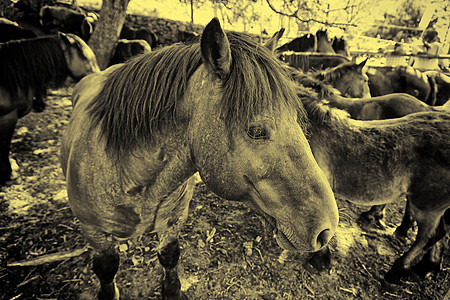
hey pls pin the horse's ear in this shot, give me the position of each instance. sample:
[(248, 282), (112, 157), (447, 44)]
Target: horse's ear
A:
[(66, 40), (272, 43), (215, 49), (362, 64)]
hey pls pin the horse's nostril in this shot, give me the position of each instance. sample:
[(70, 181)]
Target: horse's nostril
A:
[(323, 237)]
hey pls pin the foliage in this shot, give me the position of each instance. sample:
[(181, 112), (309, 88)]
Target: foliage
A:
[(408, 14)]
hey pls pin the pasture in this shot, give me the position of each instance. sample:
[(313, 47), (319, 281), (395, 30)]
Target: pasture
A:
[(226, 252)]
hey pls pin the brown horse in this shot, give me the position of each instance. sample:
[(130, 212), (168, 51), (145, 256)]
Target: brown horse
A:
[(28, 68), (225, 107), (378, 162), (348, 78)]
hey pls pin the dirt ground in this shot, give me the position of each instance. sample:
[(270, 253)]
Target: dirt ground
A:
[(226, 254)]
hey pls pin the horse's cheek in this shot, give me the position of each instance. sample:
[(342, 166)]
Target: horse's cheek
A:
[(217, 165)]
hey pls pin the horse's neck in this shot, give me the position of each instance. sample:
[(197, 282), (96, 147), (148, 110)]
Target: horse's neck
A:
[(350, 105)]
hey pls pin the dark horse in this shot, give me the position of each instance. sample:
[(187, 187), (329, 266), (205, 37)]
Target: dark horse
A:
[(402, 79), (305, 43), (125, 49), (442, 86), (225, 107), (348, 78), (324, 43), (145, 34), (28, 68), (378, 162), (9, 32), (340, 46), (313, 61)]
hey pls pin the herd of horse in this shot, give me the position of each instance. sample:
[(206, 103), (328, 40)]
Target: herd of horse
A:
[(285, 142)]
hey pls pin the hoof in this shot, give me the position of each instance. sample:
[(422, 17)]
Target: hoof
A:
[(38, 106), (388, 286), (109, 292)]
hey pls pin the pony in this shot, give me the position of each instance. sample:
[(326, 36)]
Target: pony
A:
[(187, 36), (125, 49), (224, 106), (145, 34), (305, 43), (29, 67), (375, 108), (324, 43), (442, 86), (340, 46), (402, 79), (65, 19), (312, 61), (348, 78), (10, 31), (378, 162)]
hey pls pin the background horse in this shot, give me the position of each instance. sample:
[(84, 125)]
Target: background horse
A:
[(29, 67), (140, 130), (11, 31), (401, 79), (348, 78), (305, 43), (145, 34), (60, 18), (377, 162), (442, 86), (324, 43), (340, 46), (313, 61), (125, 49)]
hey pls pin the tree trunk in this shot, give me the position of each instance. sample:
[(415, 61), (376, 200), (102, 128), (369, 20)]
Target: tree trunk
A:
[(107, 30), (192, 12)]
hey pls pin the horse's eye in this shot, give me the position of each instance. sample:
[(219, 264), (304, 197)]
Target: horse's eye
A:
[(257, 133)]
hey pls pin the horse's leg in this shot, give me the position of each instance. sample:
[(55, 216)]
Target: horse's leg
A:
[(407, 222), (8, 123), (38, 103), (106, 262), (431, 261), (320, 260), (374, 216), (430, 230), (168, 256)]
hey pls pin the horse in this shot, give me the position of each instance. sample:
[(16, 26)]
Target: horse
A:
[(401, 79), (305, 43), (313, 61), (324, 43), (60, 18), (378, 162), (375, 108), (442, 86), (125, 49), (9, 31), (185, 36), (145, 34), (224, 106), (340, 46), (28, 68), (348, 78)]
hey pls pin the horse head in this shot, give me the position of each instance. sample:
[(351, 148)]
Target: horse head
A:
[(255, 150), (80, 58)]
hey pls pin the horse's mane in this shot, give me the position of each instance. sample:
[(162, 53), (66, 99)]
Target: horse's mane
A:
[(314, 97), (142, 95), (330, 75), (32, 63)]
